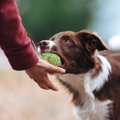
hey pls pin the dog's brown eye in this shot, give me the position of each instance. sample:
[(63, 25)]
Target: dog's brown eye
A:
[(52, 39), (67, 41)]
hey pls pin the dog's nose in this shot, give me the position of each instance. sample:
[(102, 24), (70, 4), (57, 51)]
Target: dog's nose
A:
[(43, 44)]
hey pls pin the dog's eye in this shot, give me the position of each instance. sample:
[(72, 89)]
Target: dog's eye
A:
[(67, 41), (52, 39)]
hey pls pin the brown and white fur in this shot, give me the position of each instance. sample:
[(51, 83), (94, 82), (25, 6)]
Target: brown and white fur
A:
[(92, 77)]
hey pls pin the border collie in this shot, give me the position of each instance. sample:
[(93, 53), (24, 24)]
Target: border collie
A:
[(92, 76)]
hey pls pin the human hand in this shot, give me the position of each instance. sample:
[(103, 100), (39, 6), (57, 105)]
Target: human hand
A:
[(39, 74)]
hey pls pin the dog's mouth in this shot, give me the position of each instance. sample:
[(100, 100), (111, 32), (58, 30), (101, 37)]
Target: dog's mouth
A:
[(63, 64), (60, 56)]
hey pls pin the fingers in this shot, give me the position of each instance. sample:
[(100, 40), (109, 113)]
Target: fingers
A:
[(53, 69), (46, 84), (50, 85), (43, 86), (39, 74)]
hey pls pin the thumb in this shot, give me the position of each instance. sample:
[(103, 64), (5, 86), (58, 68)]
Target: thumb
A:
[(53, 69)]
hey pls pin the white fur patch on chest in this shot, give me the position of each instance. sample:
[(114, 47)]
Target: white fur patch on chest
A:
[(97, 82), (85, 112)]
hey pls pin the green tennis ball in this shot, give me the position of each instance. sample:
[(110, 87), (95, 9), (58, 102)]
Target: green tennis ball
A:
[(52, 58)]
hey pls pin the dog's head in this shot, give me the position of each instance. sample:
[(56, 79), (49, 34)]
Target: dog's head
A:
[(76, 49)]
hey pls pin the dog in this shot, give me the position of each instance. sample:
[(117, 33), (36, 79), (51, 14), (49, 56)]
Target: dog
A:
[(92, 73)]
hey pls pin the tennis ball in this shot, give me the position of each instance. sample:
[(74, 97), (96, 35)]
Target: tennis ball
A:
[(52, 58)]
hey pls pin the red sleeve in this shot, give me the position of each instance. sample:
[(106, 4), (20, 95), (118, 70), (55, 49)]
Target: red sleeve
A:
[(13, 38)]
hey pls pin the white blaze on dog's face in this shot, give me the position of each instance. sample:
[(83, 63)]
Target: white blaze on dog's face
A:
[(76, 49)]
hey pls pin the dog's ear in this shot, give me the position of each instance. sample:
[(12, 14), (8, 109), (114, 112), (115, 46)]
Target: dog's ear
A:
[(91, 41)]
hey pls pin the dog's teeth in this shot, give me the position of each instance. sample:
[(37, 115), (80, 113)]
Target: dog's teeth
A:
[(39, 50)]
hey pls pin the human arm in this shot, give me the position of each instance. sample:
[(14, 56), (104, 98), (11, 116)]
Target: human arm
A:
[(13, 37), (18, 48)]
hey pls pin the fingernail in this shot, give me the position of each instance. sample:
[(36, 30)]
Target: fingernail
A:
[(54, 88), (44, 87), (63, 70)]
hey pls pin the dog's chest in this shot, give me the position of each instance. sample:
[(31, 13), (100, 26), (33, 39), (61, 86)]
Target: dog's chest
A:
[(92, 110)]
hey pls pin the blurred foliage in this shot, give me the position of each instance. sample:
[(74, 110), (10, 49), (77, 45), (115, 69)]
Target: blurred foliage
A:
[(43, 18)]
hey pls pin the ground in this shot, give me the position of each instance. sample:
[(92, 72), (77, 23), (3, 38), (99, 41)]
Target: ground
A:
[(22, 99)]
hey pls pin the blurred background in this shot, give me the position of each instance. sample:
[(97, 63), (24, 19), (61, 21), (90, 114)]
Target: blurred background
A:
[(20, 97), (43, 18)]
